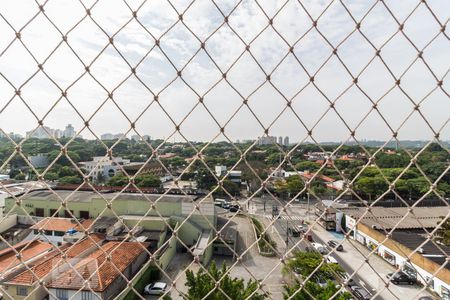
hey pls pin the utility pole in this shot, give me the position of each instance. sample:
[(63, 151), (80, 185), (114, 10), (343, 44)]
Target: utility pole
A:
[(307, 195), (287, 234)]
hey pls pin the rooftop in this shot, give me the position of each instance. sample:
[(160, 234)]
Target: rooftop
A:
[(28, 251), (87, 196), (413, 239), (47, 263), (392, 217), (100, 272), (61, 224)]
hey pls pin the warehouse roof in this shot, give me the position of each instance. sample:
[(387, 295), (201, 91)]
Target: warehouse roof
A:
[(386, 218), (87, 196), (417, 239)]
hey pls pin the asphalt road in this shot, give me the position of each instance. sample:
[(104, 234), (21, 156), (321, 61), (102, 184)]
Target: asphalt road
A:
[(281, 227)]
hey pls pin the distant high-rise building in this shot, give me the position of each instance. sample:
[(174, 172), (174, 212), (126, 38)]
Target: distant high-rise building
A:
[(107, 136), (280, 140), (286, 141), (111, 136), (267, 140), (69, 131), (58, 133), (44, 132)]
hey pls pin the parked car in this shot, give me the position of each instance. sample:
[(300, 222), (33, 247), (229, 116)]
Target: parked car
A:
[(320, 248), (360, 293), (331, 260), (225, 205), (401, 277), (345, 277), (235, 208), (219, 202), (155, 288), (335, 244), (310, 249)]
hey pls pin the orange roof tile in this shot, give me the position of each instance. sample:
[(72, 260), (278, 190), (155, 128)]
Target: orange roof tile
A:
[(27, 249), (49, 262), (60, 224), (100, 272)]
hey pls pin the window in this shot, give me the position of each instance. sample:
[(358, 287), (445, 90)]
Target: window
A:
[(67, 214), (22, 291), (39, 212), (53, 212), (84, 214), (36, 231), (86, 295), (389, 257), (62, 294), (59, 233)]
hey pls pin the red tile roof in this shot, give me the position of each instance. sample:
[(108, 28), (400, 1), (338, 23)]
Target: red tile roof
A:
[(60, 224), (27, 249), (100, 272), (41, 267), (323, 177)]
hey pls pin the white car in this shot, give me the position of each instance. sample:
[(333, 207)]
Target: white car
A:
[(155, 288), (320, 248), (331, 260)]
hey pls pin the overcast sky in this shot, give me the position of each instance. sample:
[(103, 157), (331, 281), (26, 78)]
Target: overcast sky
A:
[(88, 38)]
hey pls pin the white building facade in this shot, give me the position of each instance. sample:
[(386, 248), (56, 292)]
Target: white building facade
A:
[(400, 260), (103, 167)]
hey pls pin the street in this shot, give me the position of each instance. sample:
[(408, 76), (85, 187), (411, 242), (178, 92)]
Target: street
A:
[(368, 274)]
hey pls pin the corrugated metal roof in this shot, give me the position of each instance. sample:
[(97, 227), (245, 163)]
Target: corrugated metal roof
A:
[(392, 217)]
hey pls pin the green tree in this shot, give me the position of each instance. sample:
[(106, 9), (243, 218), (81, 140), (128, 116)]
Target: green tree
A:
[(443, 233), (372, 187), (118, 180), (305, 264), (281, 187), (51, 176), (63, 160), (307, 166), (67, 171), (204, 178), (201, 284), (294, 184), (314, 291), (148, 180), (70, 180), (229, 186), (398, 160)]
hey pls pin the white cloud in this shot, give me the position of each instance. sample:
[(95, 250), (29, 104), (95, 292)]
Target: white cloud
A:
[(203, 18)]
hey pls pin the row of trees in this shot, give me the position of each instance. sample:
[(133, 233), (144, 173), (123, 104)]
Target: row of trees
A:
[(144, 180), (257, 166)]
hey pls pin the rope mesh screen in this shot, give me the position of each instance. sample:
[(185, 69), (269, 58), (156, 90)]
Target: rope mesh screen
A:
[(192, 85)]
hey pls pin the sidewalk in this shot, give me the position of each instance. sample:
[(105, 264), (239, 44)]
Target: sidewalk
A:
[(372, 272)]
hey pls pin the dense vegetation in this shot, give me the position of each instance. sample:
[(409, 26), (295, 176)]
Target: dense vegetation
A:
[(369, 179), (306, 266), (265, 243), (203, 285)]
